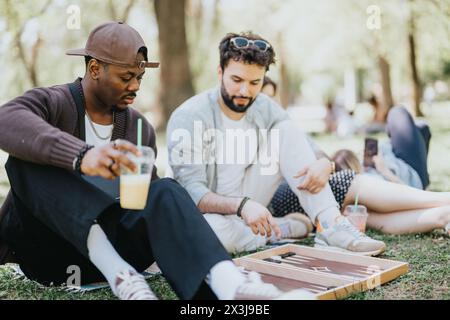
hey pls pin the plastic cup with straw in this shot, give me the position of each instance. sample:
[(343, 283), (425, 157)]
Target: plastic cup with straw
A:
[(356, 202), (139, 133), (134, 185), (357, 214)]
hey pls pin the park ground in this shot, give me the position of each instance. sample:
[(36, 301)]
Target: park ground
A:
[(428, 255)]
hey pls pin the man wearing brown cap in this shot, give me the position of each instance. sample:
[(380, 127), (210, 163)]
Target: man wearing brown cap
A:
[(53, 219)]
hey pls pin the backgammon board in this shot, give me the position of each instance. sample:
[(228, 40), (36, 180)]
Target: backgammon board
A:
[(326, 273)]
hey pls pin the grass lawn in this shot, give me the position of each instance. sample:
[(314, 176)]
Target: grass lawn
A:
[(428, 254)]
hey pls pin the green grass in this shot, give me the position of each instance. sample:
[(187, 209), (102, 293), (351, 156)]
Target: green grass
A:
[(428, 254), (428, 259), (24, 289)]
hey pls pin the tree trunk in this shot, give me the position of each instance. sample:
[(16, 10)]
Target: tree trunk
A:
[(360, 88), (30, 64), (126, 11), (112, 10), (115, 16), (416, 85), (202, 26), (285, 80), (176, 80), (387, 101), (33, 62), (284, 86)]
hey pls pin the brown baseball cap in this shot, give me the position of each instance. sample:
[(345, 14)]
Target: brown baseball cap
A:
[(116, 43)]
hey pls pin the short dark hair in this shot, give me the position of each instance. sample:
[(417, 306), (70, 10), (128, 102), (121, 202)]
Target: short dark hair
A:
[(250, 55), (142, 50), (87, 59), (373, 100), (269, 81)]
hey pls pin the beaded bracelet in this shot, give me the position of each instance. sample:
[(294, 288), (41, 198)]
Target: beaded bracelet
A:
[(81, 154), (241, 206)]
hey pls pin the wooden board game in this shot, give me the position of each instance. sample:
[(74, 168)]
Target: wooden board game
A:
[(328, 274)]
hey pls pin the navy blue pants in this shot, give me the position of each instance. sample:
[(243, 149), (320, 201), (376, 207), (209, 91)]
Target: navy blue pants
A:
[(410, 141), (54, 209)]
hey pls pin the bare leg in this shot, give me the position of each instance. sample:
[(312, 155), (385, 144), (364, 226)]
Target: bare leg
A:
[(410, 221), (382, 196)]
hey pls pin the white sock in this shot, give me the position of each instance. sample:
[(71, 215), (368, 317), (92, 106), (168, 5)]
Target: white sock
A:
[(103, 255), (224, 278), (329, 217)]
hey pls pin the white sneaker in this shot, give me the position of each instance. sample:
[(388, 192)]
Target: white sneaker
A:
[(132, 286), (343, 236), (293, 226), (255, 289)]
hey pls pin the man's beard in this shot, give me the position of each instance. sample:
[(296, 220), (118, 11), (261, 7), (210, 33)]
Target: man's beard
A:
[(229, 101)]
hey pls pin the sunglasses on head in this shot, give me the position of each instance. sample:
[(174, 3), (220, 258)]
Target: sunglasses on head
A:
[(242, 43)]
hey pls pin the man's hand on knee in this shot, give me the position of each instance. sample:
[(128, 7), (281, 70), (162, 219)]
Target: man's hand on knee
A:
[(316, 176), (259, 219)]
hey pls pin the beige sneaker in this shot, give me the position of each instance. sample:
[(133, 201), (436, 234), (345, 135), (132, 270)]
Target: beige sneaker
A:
[(132, 286), (343, 236), (293, 226), (255, 289)]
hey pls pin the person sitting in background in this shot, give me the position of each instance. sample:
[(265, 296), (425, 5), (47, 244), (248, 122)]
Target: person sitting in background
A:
[(330, 118), (269, 87), (376, 125), (338, 120), (394, 208), (403, 159)]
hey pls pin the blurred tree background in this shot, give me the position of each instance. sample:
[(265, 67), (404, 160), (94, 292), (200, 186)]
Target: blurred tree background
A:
[(346, 51), (396, 50)]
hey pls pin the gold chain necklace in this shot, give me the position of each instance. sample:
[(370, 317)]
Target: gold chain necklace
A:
[(95, 131)]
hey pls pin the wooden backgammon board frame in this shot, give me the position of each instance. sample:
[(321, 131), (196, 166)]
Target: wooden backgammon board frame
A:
[(328, 274)]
